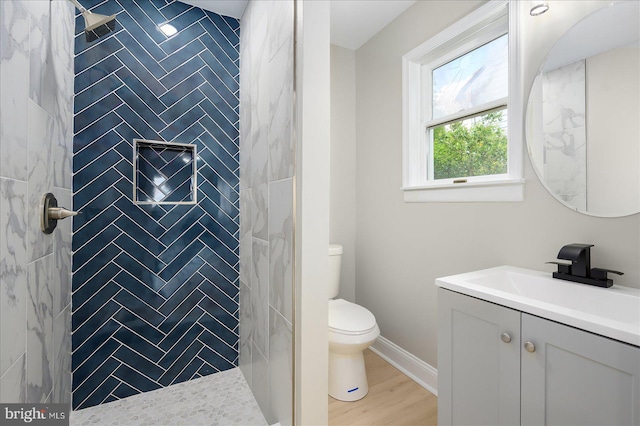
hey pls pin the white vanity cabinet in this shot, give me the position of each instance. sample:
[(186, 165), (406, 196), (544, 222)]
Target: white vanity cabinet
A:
[(501, 366)]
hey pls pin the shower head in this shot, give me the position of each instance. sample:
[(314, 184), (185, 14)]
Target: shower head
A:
[(96, 25)]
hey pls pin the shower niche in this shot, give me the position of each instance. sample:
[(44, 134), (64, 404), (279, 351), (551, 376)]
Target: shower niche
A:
[(164, 172)]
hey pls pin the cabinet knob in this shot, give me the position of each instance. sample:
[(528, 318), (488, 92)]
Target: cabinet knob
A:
[(530, 347), (505, 337)]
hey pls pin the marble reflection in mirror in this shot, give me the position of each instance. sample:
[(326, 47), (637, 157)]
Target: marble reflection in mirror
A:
[(583, 118)]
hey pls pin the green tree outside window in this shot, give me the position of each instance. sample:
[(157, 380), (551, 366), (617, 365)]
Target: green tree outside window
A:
[(470, 149)]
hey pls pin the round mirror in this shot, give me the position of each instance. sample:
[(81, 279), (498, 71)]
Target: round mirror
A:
[(583, 117)]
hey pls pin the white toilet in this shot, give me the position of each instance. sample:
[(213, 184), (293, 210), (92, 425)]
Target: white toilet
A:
[(352, 329)]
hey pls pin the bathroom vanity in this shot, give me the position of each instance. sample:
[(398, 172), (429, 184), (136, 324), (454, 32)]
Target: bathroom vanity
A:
[(516, 346)]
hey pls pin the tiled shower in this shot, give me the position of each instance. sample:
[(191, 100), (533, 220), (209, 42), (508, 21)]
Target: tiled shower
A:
[(176, 274), (155, 285)]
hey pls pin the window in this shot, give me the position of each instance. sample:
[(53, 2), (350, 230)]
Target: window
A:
[(462, 111)]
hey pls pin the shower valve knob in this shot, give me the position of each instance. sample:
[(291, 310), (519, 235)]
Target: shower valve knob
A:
[(50, 213), (58, 213)]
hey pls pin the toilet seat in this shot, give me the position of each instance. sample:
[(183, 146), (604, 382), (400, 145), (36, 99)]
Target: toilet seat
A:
[(350, 319)]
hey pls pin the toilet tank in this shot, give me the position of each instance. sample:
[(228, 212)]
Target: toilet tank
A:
[(335, 260)]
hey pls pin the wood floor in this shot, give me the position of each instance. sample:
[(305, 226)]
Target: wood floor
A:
[(393, 399)]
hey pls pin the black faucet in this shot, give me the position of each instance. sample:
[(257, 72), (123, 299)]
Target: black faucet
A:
[(579, 270)]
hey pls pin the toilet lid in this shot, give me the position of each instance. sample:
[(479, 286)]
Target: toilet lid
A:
[(347, 316)]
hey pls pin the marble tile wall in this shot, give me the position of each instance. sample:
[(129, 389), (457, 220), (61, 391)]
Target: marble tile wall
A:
[(36, 135), (266, 204), (565, 150)]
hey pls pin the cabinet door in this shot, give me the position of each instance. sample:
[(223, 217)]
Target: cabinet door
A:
[(573, 377), (478, 373)]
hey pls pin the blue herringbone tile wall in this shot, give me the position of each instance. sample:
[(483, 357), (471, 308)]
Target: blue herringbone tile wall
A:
[(155, 287)]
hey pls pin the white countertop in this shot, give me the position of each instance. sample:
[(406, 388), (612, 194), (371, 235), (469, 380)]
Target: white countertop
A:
[(613, 312)]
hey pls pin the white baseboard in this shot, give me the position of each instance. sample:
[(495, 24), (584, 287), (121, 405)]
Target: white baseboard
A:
[(415, 368)]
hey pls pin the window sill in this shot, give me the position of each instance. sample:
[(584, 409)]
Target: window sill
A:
[(470, 192)]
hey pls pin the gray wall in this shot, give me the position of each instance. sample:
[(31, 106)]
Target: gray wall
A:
[(36, 132), (402, 248), (343, 159), (617, 160), (266, 205)]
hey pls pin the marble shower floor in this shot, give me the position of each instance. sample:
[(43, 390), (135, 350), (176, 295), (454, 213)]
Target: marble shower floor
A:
[(218, 399)]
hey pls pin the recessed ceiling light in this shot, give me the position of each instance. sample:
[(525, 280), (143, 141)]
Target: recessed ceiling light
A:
[(168, 29), (538, 8)]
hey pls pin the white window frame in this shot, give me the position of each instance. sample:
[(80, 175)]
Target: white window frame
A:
[(481, 26)]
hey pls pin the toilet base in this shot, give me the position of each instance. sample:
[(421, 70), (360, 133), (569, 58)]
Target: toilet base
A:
[(347, 376)]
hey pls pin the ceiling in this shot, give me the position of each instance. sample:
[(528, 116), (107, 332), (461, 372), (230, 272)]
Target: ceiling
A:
[(353, 22)]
